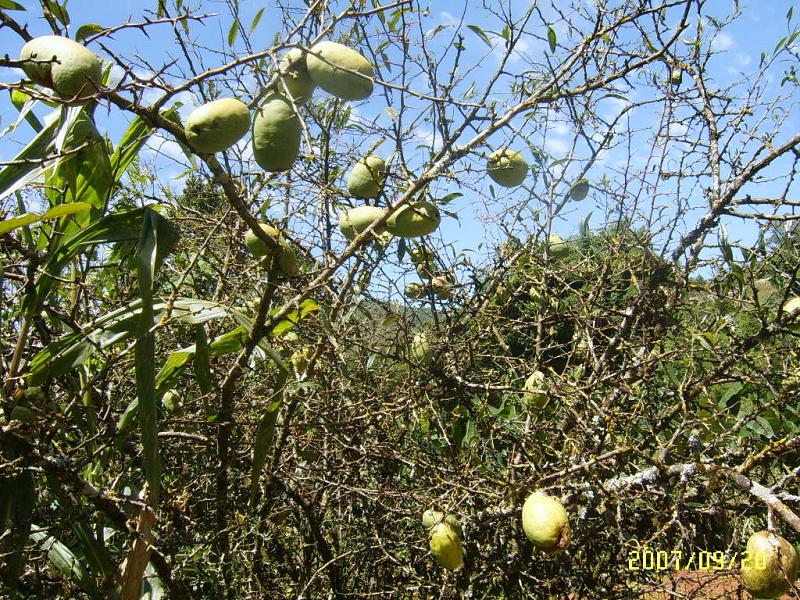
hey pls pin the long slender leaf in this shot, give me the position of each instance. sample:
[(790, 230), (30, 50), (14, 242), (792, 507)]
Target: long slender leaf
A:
[(132, 141), (37, 157), (112, 228), (53, 213), (17, 497), (158, 238), (65, 561)]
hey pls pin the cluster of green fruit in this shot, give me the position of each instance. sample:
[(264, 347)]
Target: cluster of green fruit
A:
[(544, 521)]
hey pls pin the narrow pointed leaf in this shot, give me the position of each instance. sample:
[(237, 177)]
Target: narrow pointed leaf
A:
[(53, 213)]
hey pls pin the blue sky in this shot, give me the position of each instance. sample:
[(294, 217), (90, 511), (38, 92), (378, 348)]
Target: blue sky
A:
[(738, 51)]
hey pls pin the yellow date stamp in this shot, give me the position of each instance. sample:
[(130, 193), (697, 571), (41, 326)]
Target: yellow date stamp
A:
[(644, 558)]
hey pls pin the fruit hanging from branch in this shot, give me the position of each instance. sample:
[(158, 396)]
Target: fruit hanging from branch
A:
[(445, 545), (414, 220), (507, 167), (770, 565), (276, 134), (367, 177), (218, 125), (295, 82), (356, 220), (545, 522), (63, 65), (340, 71)]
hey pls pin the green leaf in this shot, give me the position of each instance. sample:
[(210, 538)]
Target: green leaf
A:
[(59, 11), (24, 104), (37, 157), (53, 213), (112, 228), (157, 239), (17, 497), (481, 34), (256, 20), (233, 32), (87, 30), (65, 561), (551, 38), (294, 317), (11, 5), (129, 146)]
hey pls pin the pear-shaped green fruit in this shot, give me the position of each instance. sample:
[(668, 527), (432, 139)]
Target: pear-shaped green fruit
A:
[(171, 401), (770, 567), (340, 71), (579, 190), (557, 247), (441, 287), (76, 73), (535, 381), (421, 349), (446, 546), (507, 167), (276, 134), (287, 262), (545, 522), (294, 76), (367, 177), (356, 220), (218, 125), (414, 220), (415, 291), (431, 517), (676, 77), (23, 414), (791, 312)]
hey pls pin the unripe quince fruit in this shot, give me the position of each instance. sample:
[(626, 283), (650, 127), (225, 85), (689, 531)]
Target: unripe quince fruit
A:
[(287, 262), (295, 80), (792, 311), (356, 220), (579, 190), (340, 71), (772, 565), (557, 246), (545, 522), (535, 381), (414, 220), (421, 349), (76, 73), (446, 546), (507, 167), (218, 125), (367, 177), (276, 134)]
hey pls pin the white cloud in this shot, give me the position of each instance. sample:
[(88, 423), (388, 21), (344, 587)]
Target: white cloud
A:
[(427, 137), (743, 59), (447, 19), (722, 42), (555, 146)]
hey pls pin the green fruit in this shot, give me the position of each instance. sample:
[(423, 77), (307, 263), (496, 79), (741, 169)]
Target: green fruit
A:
[(414, 220), (294, 78), (770, 567), (23, 414), (301, 358), (77, 72), (431, 518), (440, 286), (791, 311), (356, 220), (415, 291), (579, 190), (535, 381), (421, 349), (218, 125), (557, 247), (507, 168), (446, 546), (676, 77), (331, 70), (171, 401), (455, 524), (287, 262), (276, 134), (545, 523), (367, 177)]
